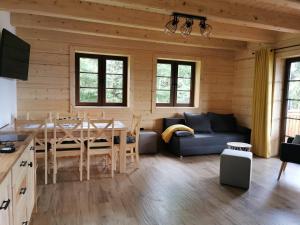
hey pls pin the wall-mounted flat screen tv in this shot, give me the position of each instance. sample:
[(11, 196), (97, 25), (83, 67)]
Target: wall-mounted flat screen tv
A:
[(14, 56)]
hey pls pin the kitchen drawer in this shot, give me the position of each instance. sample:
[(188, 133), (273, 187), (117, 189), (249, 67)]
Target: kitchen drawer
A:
[(20, 192), (19, 170)]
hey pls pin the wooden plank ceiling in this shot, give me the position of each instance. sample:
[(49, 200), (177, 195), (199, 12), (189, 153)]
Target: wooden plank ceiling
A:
[(234, 22)]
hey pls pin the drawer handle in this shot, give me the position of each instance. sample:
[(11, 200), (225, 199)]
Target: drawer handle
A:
[(25, 223), (23, 163), (23, 191), (5, 204), (30, 164)]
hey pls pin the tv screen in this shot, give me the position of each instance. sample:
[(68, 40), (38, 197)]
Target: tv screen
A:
[(14, 56)]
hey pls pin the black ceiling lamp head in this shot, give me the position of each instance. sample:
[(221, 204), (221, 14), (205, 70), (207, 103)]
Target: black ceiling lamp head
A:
[(187, 27), (171, 26), (205, 29)]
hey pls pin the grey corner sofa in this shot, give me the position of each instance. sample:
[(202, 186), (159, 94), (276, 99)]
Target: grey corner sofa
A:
[(212, 132)]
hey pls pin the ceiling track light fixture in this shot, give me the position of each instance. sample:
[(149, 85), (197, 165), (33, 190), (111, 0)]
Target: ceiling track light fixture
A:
[(186, 28)]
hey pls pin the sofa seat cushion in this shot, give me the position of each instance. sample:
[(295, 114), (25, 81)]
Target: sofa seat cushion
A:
[(199, 122)]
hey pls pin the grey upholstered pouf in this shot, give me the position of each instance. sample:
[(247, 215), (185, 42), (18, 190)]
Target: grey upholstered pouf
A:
[(235, 168), (148, 142)]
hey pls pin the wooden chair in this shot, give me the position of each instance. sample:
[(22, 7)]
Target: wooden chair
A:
[(67, 142), (132, 149), (132, 141), (41, 142), (100, 142)]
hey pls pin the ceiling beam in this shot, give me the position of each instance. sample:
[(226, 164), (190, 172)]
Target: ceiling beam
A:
[(86, 11), (106, 30), (217, 10)]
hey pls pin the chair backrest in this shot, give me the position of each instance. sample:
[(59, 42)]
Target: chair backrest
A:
[(68, 134), (38, 127), (135, 126), (67, 116), (101, 133)]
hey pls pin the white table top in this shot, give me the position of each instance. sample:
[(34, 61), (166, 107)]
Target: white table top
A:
[(118, 125), (239, 145)]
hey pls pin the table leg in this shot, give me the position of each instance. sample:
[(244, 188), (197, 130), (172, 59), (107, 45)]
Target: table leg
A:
[(123, 151)]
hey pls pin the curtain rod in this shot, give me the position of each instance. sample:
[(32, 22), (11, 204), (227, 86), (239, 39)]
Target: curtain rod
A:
[(275, 49)]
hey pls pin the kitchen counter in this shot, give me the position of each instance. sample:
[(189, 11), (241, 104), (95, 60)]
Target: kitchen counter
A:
[(7, 160)]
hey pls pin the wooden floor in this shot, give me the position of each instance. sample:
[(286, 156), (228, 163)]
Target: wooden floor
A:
[(168, 191)]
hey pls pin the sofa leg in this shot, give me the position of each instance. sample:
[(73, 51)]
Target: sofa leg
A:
[(283, 164)]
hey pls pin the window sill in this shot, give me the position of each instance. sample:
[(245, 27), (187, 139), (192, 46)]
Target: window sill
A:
[(176, 107), (100, 107)]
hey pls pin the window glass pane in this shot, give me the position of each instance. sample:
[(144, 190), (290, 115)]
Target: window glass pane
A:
[(293, 109), (114, 66), (88, 65), (88, 95), (185, 71), (292, 127), (295, 71), (183, 97), (114, 95), (164, 70), (294, 90), (163, 96), (183, 84), (114, 81), (88, 80), (163, 83)]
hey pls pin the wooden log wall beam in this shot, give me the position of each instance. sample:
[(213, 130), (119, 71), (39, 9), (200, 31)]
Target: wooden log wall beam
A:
[(107, 30), (217, 10), (92, 12)]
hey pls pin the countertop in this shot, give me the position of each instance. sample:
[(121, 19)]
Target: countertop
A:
[(7, 160)]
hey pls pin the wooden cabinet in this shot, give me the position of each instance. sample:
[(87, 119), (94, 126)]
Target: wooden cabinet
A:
[(6, 201), (23, 186)]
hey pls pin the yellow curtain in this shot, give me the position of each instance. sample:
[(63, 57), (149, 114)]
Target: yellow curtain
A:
[(262, 102)]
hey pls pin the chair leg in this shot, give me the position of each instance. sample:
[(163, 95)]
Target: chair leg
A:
[(112, 164), (132, 154), (54, 170), (281, 169), (88, 166), (46, 167), (137, 158), (80, 167)]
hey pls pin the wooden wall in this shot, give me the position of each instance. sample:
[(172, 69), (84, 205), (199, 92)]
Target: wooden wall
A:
[(243, 87), (48, 87)]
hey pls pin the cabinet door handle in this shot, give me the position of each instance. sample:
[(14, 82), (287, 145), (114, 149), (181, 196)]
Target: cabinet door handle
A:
[(30, 164), (25, 223), (23, 163), (5, 204), (32, 148), (23, 191)]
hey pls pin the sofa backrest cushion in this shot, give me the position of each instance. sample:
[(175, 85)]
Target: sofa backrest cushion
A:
[(296, 140), (199, 122), (222, 122), (167, 122)]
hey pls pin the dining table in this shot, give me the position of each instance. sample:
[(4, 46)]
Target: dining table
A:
[(120, 129)]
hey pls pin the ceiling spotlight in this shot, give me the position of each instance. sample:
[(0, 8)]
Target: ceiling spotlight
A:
[(171, 26), (187, 27), (205, 29)]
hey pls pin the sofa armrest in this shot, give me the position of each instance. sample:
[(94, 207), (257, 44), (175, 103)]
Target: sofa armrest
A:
[(181, 133), (290, 152), (243, 130)]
